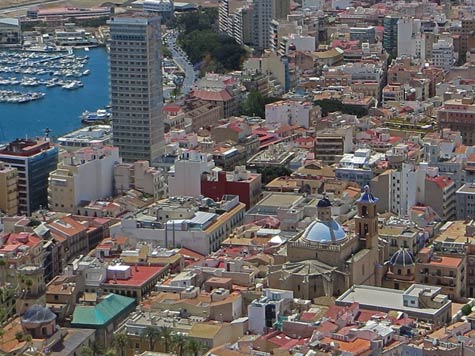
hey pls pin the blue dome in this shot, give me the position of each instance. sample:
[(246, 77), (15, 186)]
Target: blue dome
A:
[(324, 203), (38, 314), (367, 197), (324, 232), (402, 257)]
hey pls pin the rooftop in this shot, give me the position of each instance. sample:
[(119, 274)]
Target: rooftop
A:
[(139, 275), (102, 313), (382, 299)]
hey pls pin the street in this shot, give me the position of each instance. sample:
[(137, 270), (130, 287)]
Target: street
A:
[(181, 60)]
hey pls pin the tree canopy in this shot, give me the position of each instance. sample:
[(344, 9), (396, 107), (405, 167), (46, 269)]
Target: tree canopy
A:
[(254, 105), (271, 173), (203, 19), (203, 44)]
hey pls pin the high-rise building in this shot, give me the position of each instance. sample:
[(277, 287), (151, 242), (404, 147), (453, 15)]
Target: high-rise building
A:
[(249, 22), (136, 87), (262, 17), (34, 160), (390, 35)]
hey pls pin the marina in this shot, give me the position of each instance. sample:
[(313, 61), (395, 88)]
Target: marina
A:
[(61, 108), (34, 69), (12, 96)]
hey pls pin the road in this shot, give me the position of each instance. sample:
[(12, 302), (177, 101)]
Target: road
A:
[(181, 60), (14, 8)]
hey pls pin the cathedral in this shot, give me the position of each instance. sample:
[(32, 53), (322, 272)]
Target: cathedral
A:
[(325, 259)]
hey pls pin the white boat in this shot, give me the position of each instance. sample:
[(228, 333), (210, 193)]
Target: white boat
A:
[(93, 117), (73, 85)]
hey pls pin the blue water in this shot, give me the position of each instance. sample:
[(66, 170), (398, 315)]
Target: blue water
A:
[(60, 109)]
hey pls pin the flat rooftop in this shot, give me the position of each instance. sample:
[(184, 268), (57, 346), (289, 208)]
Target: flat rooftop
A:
[(468, 188), (139, 275), (381, 299), (280, 200)]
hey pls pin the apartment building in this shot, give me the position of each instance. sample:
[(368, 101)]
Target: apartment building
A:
[(81, 177), (8, 189)]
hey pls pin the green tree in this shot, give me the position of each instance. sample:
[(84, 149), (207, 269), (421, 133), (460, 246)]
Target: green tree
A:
[(329, 105), (466, 309), (120, 342), (179, 343), (110, 352), (19, 335), (203, 19), (152, 335), (97, 349), (166, 52), (271, 173), (86, 351), (166, 337), (194, 347), (254, 105), (200, 42)]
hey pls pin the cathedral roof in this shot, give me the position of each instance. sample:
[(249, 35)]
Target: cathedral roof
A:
[(308, 268), (324, 232), (402, 257)]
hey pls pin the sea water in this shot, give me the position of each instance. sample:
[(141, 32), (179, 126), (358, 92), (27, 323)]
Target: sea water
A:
[(60, 109)]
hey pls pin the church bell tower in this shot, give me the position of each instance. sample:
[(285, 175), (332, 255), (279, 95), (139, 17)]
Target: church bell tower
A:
[(366, 221)]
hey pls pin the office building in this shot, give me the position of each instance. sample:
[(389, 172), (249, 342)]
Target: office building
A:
[(136, 87), (34, 160), (390, 35)]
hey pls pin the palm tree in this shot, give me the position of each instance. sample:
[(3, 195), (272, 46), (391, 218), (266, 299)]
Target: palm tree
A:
[(166, 336), (3, 267), (153, 335), (97, 349), (194, 347), (110, 352), (86, 351), (120, 341), (179, 343)]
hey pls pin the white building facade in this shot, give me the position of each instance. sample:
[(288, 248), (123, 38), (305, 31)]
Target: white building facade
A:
[(184, 179)]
